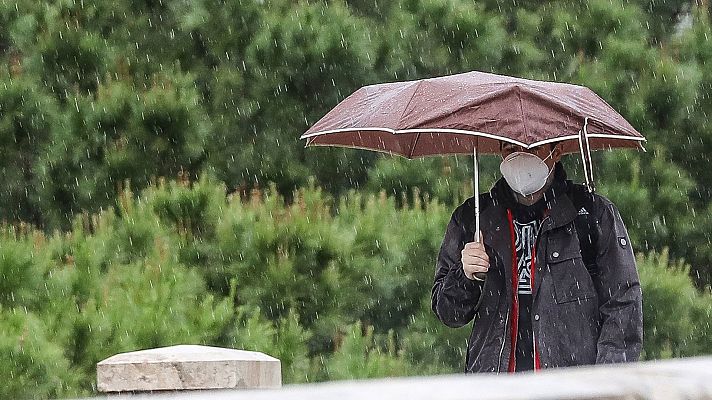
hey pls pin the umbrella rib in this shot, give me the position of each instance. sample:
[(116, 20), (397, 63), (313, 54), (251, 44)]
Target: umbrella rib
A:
[(400, 120), (415, 142), (521, 110)]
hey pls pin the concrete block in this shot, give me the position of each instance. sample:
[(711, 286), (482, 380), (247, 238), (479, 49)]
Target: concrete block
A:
[(188, 367)]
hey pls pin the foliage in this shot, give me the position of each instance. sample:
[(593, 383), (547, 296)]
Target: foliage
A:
[(334, 289), (34, 366), (28, 119), (359, 356), (676, 315), (93, 95), (155, 191)]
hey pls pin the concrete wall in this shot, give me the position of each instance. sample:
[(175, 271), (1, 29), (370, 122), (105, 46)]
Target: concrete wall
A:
[(665, 380), (188, 367)]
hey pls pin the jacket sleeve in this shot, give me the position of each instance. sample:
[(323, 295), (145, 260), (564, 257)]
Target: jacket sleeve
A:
[(455, 298), (619, 292)]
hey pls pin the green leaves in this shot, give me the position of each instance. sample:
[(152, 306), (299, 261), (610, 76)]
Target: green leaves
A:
[(360, 356), (675, 313), (34, 366), (28, 121), (336, 289), (20, 273), (116, 137), (103, 104)]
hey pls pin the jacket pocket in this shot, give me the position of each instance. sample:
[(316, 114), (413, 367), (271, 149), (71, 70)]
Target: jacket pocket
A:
[(571, 279)]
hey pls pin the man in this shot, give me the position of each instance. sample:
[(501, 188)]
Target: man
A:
[(560, 283)]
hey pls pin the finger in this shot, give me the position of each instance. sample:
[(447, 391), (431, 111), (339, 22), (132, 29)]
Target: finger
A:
[(473, 266), (475, 261), (474, 253), (474, 245), (472, 269)]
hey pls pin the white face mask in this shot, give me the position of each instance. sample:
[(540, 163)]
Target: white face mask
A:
[(524, 172)]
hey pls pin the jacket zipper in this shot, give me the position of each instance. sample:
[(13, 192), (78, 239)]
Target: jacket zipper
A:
[(504, 340), (504, 335), (536, 245)]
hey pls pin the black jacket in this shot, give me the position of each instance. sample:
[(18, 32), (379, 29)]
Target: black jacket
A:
[(578, 318)]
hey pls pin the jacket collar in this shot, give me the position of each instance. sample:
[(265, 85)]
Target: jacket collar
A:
[(561, 211)]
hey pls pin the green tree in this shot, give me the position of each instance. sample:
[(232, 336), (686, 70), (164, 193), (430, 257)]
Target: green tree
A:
[(116, 137), (28, 121)]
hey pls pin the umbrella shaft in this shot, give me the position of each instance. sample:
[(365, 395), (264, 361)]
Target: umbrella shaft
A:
[(477, 194), (478, 275)]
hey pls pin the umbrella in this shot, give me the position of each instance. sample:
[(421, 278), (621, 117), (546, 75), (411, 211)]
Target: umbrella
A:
[(474, 112)]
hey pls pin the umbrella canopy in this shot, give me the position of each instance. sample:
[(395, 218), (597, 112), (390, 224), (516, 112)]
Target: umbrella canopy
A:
[(457, 114)]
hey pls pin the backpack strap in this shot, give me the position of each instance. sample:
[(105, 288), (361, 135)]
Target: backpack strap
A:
[(587, 228)]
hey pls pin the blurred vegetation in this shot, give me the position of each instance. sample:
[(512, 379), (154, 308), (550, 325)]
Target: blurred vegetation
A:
[(155, 190), (334, 288)]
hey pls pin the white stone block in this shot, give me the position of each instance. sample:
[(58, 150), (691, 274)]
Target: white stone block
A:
[(188, 367)]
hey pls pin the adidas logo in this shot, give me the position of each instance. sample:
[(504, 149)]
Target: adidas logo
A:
[(582, 211)]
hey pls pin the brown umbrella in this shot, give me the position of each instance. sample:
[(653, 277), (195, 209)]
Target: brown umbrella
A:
[(474, 112), (454, 114)]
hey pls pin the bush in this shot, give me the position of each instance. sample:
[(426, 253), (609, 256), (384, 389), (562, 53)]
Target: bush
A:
[(358, 355), (675, 314), (336, 289), (33, 365)]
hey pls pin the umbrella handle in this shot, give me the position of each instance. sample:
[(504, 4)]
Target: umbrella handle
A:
[(479, 275)]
